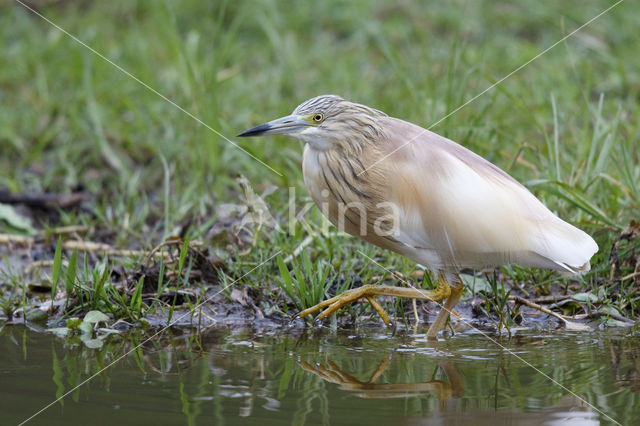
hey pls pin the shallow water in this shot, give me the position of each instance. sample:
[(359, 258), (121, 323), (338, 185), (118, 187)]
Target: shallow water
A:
[(241, 375)]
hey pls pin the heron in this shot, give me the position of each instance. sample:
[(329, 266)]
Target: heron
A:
[(404, 188)]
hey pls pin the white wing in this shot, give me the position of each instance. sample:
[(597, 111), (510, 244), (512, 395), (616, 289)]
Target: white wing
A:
[(459, 210)]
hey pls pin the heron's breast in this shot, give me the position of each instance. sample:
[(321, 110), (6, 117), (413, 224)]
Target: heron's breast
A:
[(320, 183), (353, 204)]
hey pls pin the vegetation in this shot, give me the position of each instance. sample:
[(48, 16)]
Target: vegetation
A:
[(145, 201)]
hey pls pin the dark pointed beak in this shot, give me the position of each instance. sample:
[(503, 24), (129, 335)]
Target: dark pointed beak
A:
[(280, 126)]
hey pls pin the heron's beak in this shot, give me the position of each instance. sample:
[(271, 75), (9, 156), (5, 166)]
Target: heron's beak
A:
[(280, 126)]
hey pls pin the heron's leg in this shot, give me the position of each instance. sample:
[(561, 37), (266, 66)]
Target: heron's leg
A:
[(441, 318), (441, 292), (455, 379), (375, 305)]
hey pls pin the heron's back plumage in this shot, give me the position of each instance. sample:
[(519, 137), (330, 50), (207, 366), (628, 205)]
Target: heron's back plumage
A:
[(471, 212)]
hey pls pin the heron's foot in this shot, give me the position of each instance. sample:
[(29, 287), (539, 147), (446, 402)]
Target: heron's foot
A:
[(349, 296), (368, 291), (334, 374)]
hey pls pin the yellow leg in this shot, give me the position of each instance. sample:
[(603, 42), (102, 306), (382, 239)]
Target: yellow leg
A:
[(441, 318), (374, 303), (441, 292)]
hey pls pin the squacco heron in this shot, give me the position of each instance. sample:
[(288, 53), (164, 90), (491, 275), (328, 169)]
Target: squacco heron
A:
[(409, 190)]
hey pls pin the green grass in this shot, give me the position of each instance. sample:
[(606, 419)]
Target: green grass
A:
[(566, 125)]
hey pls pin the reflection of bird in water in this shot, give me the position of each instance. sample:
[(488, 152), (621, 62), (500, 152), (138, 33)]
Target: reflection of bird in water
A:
[(569, 410), (369, 389), (404, 188)]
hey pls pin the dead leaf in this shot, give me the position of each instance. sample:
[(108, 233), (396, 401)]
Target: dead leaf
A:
[(241, 224), (238, 296)]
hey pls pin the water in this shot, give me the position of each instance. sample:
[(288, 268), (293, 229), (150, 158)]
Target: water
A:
[(364, 376)]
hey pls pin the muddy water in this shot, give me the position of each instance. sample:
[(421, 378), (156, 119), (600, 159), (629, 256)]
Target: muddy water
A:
[(242, 375)]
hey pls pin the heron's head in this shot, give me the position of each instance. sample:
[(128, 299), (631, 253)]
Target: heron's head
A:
[(325, 121)]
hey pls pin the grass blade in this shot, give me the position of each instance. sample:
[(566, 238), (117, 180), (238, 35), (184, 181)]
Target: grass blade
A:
[(57, 265), (71, 272), (136, 299), (183, 255)]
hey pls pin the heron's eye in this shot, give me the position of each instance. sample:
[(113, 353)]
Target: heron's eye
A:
[(318, 117)]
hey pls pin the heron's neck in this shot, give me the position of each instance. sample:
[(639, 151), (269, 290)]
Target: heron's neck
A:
[(355, 145), (319, 143)]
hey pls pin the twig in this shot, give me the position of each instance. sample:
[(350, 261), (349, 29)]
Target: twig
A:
[(65, 230), (42, 264), (48, 201), (16, 239), (31, 239), (201, 314), (154, 251), (80, 245), (523, 301), (631, 275), (599, 313), (90, 246), (550, 299), (570, 325)]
